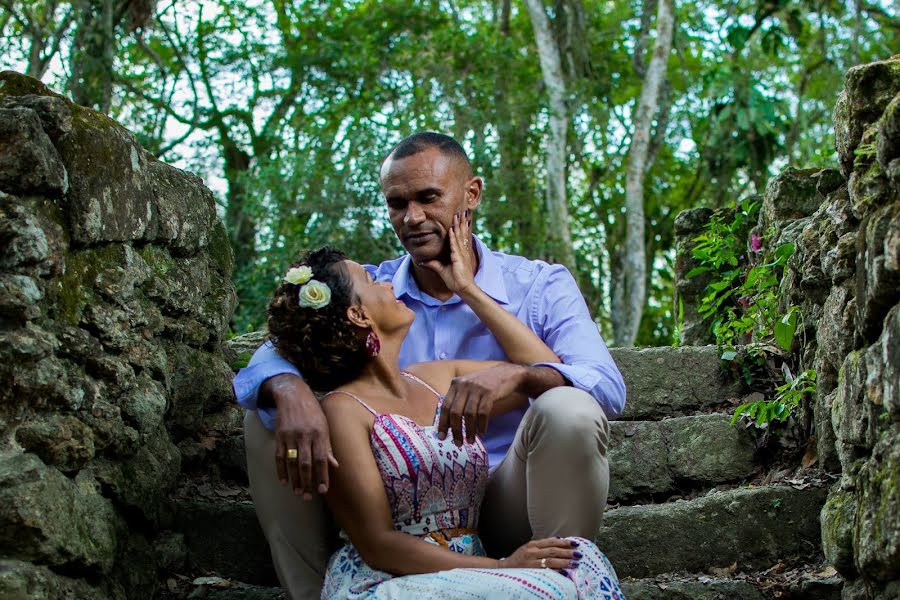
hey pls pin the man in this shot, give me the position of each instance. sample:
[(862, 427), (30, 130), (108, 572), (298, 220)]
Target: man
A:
[(549, 474)]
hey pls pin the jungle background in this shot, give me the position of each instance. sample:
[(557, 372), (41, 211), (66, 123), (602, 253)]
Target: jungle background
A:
[(593, 123)]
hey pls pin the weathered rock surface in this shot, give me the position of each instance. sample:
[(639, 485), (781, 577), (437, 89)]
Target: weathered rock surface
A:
[(115, 297), (28, 161), (791, 195), (695, 330), (754, 527), (658, 457), (868, 89), (46, 517), (20, 579), (845, 278), (663, 382)]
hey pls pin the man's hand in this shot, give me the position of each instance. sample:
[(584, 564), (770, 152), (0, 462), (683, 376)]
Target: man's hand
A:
[(302, 444), (471, 397)]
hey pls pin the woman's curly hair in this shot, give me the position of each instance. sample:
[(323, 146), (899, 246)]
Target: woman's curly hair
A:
[(328, 349)]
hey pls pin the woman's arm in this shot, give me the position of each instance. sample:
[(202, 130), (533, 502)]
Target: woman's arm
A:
[(519, 342), (360, 505)]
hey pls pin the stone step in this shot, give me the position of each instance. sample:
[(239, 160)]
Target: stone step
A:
[(753, 527), (226, 590), (225, 538), (752, 586), (666, 382), (690, 590), (648, 459), (660, 382), (661, 458)]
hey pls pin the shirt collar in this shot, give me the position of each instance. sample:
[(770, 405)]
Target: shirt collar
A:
[(489, 278)]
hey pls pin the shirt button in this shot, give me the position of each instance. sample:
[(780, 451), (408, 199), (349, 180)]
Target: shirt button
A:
[(443, 355)]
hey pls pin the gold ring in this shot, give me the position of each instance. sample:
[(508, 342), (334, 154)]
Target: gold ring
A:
[(292, 454), (543, 563)]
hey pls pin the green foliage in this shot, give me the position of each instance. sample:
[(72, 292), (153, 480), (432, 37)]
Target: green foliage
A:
[(242, 361), (788, 397), (740, 299), (286, 109), (742, 304)]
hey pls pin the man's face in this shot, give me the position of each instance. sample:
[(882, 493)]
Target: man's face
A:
[(423, 193)]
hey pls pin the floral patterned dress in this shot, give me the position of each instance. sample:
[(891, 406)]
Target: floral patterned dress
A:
[(435, 490)]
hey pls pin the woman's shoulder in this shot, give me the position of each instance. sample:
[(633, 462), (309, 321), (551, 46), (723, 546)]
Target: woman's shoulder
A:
[(344, 403), (436, 373)]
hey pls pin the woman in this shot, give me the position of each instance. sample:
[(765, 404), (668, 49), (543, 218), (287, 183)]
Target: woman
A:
[(407, 501)]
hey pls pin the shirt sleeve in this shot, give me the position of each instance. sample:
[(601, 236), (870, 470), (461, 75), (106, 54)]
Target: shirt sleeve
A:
[(264, 364), (566, 326)]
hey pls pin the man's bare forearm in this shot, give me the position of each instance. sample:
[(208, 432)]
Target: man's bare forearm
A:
[(537, 380), (282, 386)]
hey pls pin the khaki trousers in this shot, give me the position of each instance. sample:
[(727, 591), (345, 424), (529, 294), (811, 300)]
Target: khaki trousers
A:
[(553, 481)]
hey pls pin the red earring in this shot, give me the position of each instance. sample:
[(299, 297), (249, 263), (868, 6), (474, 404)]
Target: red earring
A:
[(373, 344)]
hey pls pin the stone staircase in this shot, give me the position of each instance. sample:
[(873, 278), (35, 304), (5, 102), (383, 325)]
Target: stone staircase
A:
[(690, 513)]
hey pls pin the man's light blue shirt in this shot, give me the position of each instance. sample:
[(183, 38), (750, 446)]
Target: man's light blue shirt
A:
[(545, 297)]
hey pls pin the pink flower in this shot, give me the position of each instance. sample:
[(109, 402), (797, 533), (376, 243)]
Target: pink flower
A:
[(755, 242)]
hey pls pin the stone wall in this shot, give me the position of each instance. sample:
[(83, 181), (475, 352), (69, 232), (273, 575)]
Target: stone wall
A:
[(845, 276), (115, 297)]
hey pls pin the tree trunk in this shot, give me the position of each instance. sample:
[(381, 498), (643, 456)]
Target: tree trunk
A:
[(560, 237), (635, 262), (93, 51), (240, 222)]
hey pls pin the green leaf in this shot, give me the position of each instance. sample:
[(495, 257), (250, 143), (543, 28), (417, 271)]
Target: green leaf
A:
[(784, 251), (729, 355), (784, 330), (697, 271), (737, 36)]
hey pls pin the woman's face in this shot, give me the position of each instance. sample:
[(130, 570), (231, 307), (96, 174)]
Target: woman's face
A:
[(378, 300)]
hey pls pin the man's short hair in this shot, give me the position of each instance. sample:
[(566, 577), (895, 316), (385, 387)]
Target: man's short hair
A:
[(423, 140)]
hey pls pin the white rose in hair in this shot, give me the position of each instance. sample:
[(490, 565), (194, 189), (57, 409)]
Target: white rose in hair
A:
[(298, 275), (315, 294)]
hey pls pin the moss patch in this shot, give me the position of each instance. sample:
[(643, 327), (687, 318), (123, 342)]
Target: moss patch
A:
[(75, 288)]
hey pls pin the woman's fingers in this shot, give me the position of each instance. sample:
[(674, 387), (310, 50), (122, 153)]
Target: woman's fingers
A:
[(555, 542), (558, 563)]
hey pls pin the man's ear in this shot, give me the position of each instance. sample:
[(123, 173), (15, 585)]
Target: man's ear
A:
[(473, 192), (358, 316)]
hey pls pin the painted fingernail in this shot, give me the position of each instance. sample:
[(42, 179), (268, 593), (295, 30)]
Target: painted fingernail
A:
[(573, 564), (562, 572), (574, 543), (577, 554)]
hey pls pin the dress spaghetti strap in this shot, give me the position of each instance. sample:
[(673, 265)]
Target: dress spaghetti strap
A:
[(417, 380), (355, 397)]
